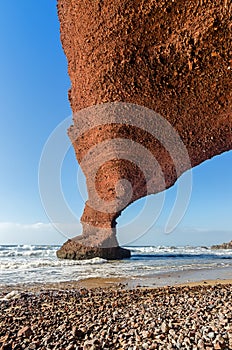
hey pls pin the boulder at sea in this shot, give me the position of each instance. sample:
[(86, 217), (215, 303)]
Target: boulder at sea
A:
[(77, 251)]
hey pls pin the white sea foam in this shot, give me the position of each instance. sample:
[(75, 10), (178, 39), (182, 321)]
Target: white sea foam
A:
[(30, 264), (184, 250)]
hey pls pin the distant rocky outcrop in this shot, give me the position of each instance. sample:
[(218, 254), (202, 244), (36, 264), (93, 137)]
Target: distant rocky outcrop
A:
[(168, 56), (223, 246)]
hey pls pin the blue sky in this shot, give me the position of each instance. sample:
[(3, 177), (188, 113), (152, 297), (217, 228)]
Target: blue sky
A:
[(33, 101)]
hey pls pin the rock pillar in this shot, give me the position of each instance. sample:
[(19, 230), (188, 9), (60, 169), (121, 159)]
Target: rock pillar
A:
[(169, 57)]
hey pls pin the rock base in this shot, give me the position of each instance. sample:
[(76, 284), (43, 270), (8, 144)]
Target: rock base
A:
[(77, 251)]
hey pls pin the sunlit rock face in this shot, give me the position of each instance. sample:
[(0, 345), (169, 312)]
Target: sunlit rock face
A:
[(161, 73)]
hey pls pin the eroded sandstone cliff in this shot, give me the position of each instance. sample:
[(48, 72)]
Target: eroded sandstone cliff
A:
[(170, 56)]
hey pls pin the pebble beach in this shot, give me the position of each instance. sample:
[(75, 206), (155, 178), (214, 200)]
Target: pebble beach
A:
[(116, 317)]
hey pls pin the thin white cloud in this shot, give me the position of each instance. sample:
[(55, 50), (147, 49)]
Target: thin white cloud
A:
[(185, 236), (48, 233), (18, 226), (37, 233)]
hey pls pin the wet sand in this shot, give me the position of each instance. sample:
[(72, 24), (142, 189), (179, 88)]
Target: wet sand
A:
[(217, 275), (180, 278)]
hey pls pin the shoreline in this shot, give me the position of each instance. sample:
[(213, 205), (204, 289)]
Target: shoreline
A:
[(169, 279)]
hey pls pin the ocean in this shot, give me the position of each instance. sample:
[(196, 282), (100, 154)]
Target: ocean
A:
[(38, 264)]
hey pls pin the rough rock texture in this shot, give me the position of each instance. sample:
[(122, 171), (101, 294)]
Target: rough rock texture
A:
[(170, 56), (223, 246), (76, 251)]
